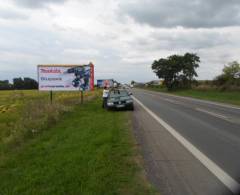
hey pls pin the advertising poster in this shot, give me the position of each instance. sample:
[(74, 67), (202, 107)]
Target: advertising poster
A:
[(105, 83), (66, 77)]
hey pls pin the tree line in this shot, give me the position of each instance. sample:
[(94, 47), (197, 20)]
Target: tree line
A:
[(19, 83), (179, 71)]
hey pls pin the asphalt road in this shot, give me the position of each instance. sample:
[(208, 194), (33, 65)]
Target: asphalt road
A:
[(212, 128)]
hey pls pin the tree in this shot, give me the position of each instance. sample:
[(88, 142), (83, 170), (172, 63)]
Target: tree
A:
[(18, 83), (231, 69), (177, 70), (26, 83), (5, 85), (30, 83), (227, 78)]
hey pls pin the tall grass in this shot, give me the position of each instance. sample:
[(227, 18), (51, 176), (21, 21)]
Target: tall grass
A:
[(32, 113)]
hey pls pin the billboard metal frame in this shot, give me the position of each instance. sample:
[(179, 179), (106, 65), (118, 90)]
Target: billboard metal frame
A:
[(91, 84)]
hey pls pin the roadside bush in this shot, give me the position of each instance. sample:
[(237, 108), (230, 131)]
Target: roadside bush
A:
[(227, 80), (205, 87), (36, 115), (224, 83), (157, 86), (228, 87)]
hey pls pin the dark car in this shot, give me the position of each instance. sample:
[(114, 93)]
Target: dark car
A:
[(120, 99)]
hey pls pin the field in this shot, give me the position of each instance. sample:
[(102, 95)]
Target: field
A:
[(25, 113), (75, 149), (229, 97)]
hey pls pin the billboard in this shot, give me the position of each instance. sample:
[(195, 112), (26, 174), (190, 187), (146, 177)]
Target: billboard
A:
[(66, 77), (105, 83)]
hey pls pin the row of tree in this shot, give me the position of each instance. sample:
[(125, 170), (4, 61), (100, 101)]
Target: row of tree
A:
[(19, 83), (179, 71)]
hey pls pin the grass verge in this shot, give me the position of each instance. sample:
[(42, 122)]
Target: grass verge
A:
[(90, 151), (229, 97)]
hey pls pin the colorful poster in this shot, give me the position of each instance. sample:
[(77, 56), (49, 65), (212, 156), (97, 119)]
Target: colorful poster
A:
[(105, 83), (66, 77)]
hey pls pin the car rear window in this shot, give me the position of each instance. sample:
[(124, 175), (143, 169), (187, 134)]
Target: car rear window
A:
[(118, 93)]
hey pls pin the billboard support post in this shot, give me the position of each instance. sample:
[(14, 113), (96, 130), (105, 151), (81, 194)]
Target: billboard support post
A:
[(51, 96), (81, 96)]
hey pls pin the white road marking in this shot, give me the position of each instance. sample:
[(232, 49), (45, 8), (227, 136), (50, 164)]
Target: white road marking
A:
[(151, 95), (172, 101), (226, 179), (169, 100), (146, 92), (212, 113)]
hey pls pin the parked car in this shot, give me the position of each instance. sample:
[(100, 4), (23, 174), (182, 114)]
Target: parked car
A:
[(120, 99)]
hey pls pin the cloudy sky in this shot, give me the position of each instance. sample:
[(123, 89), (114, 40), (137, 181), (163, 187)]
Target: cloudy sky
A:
[(121, 37)]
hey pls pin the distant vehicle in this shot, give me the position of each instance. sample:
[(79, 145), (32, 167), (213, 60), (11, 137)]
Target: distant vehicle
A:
[(120, 99), (105, 83), (237, 75), (125, 86)]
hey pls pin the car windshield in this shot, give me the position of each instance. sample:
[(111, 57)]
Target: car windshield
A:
[(118, 93)]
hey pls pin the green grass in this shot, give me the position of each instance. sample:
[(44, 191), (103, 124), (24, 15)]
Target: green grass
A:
[(229, 97), (232, 97), (23, 112), (89, 151)]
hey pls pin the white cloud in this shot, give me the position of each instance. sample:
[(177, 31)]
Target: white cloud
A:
[(187, 13), (82, 52), (6, 14), (34, 4), (103, 32)]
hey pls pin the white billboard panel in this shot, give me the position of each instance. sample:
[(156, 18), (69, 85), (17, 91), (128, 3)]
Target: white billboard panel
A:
[(66, 77)]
